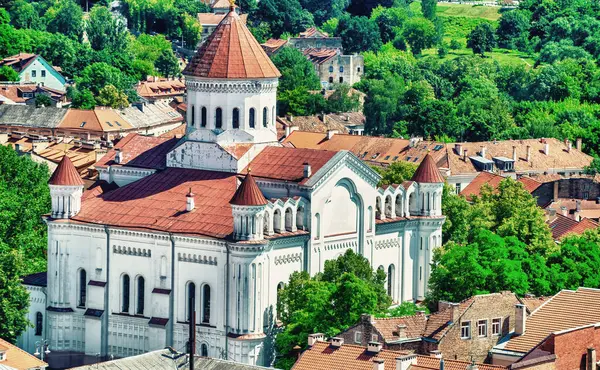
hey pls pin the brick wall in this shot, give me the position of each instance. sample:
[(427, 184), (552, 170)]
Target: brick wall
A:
[(571, 348), (364, 327), (572, 188)]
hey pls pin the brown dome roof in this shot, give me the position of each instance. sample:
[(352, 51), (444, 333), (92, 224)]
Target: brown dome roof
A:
[(248, 194), (65, 174), (231, 52), (428, 172)]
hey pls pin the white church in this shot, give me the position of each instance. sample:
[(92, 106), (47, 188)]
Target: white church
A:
[(222, 216)]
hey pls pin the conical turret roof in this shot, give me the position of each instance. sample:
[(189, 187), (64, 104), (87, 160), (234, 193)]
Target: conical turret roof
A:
[(65, 174), (248, 194), (231, 51), (428, 172)]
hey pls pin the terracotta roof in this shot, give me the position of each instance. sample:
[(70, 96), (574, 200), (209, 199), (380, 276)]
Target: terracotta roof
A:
[(177, 132), (248, 193), (287, 164), (589, 208), (16, 358), (438, 323), (493, 180), (231, 51), (558, 157), (428, 172), (388, 326), (320, 56), (19, 61), (65, 174), (160, 88), (271, 46), (221, 4), (99, 120), (561, 226), (308, 123), (140, 151), (312, 31), (532, 303), (82, 158), (352, 357), (567, 309), (158, 202)]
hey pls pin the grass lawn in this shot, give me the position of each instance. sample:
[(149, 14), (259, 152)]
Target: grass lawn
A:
[(489, 13), (503, 56)]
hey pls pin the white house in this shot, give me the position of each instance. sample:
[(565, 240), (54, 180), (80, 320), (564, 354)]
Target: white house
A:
[(32, 68), (220, 219)]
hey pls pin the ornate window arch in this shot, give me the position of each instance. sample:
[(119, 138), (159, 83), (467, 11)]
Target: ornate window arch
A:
[(235, 118), (206, 304), (82, 291), (190, 299), (125, 291), (140, 295)]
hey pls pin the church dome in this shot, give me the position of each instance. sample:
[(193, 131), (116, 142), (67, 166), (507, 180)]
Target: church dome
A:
[(428, 172), (231, 52), (248, 194), (65, 174)]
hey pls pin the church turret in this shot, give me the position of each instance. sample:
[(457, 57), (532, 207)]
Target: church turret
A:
[(248, 207), (430, 185), (66, 189)]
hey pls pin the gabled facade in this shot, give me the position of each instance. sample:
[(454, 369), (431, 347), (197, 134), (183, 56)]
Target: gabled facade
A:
[(33, 68)]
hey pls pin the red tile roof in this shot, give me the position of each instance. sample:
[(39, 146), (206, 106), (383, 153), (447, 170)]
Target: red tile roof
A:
[(19, 61), (141, 151), (561, 226), (231, 51), (427, 172), (320, 56), (388, 326), (287, 164), (493, 180), (158, 202), (65, 174), (248, 194), (18, 359)]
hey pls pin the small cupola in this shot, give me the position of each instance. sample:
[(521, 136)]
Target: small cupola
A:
[(248, 207), (430, 185), (66, 189)]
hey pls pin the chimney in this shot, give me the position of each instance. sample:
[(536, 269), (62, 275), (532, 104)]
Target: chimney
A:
[(291, 118), (514, 153), (555, 191), (313, 338), (337, 342), (378, 364), (578, 143), (435, 353), (367, 319), (459, 149), (405, 362), (455, 312), (528, 158), (591, 359), (118, 156), (564, 211), (442, 364), (402, 331), (465, 154), (483, 151), (569, 145), (578, 205), (546, 148), (189, 201), (374, 347), (307, 170), (330, 133), (520, 319)]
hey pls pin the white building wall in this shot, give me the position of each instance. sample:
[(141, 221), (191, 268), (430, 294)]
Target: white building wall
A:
[(38, 68)]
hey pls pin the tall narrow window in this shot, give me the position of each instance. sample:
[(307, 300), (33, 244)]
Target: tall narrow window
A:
[(82, 288), (140, 296), (235, 119), (391, 277), (193, 121), (125, 294), (219, 118), (265, 116), (203, 117), (39, 323), (206, 304), (204, 350), (191, 296), (252, 117), (273, 115)]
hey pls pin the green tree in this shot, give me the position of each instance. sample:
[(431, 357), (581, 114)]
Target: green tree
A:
[(482, 39), (14, 298), (429, 7), (95, 76), (365, 7), (83, 99), (359, 34), (322, 10), (65, 17), (389, 21), (396, 173), (420, 34), (109, 96), (104, 31), (43, 100), (343, 99), (192, 31), (24, 15), (167, 65), (512, 26), (8, 74), (4, 16), (330, 26), (284, 16)]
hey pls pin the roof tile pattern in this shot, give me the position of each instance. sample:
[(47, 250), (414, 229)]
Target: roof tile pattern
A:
[(493, 180), (248, 194), (567, 309), (561, 226), (16, 358), (65, 174), (388, 327), (428, 172), (158, 202), (140, 151), (231, 52)]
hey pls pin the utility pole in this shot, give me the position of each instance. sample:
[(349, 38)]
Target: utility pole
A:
[(192, 339)]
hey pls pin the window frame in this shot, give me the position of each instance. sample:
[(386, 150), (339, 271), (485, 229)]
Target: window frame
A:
[(465, 325), (82, 293), (358, 337), (499, 323), (206, 297), (219, 118), (252, 118), (43, 73), (39, 324), (125, 293), (140, 296), (374, 338), (483, 323), (235, 118), (203, 117)]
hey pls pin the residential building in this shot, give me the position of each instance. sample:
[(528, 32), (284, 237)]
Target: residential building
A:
[(337, 355), (160, 89), (563, 226), (331, 124), (25, 94), (14, 358), (208, 228), (32, 68), (558, 332), (36, 286), (210, 21)]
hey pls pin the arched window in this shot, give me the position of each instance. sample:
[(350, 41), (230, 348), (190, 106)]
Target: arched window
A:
[(252, 117), (330, 80), (191, 297), (300, 218), (206, 304), (370, 213), (358, 69), (193, 121), (390, 287), (204, 350), (140, 296), (203, 117), (289, 217), (219, 118), (330, 69), (82, 288), (125, 294), (434, 201), (388, 206), (399, 205), (342, 69), (277, 221), (235, 119), (39, 323), (265, 116), (279, 305), (318, 225)]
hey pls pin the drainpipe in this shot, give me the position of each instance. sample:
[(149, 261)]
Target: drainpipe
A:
[(227, 299), (104, 330), (171, 324)]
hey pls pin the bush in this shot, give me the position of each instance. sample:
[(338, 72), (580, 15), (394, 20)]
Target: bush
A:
[(443, 50), (456, 45)]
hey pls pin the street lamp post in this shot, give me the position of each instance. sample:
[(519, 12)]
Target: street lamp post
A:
[(42, 348)]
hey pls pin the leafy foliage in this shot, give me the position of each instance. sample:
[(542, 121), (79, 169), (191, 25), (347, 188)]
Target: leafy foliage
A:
[(105, 31), (14, 298), (420, 34), (482, 39), (358, 34), (396, 172), (284, 16), (8, 74)]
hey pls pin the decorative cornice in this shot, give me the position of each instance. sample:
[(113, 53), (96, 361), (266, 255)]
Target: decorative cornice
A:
[(288, 258), (291, 241), (228, 87), (139, 252), (196, 258)]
